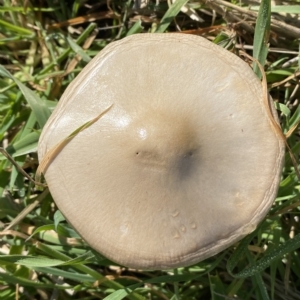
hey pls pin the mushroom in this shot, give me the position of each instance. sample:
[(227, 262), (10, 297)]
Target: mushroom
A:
[(185, 163)]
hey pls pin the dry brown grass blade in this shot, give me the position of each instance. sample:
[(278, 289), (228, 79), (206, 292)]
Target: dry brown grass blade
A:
[(292, 129), (294, 76), (286, 209), (52, 153), (84, 19), (210, 29), (73, 63), (276, 126), (256, 249), (14, 234), (27, 209), (266, 95)]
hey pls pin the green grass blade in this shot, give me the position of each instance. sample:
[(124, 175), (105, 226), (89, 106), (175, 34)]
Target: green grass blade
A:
[(136, 28), (86, 270), (40, 261), (260, 265), (287, 9), (22, 144), (121, 294), (58, 217), (15, 28), (171, 13), (261, 35), (70, 275), (38, 106), (216, 287), (259, 282), (77, 49), (13, 279)]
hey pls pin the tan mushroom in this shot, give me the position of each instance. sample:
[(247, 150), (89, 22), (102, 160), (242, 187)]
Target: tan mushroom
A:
[(185, 163)]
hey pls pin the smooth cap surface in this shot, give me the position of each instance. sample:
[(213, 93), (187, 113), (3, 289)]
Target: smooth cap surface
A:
[(184, 164)]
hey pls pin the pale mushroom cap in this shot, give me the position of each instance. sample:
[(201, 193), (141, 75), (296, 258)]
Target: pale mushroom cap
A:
[(184, 164)]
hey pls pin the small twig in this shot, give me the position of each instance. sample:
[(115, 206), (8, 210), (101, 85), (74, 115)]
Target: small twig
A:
[(274, 50), (286, 209), (6, 154), (275, 24), (227, 14)]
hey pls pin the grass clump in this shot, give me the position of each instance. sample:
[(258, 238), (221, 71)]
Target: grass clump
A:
[(43, 46)]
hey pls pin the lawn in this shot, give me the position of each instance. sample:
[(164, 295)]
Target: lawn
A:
[(43, 46)]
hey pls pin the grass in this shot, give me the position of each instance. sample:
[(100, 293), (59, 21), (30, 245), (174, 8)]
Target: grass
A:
[(44, 45)]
